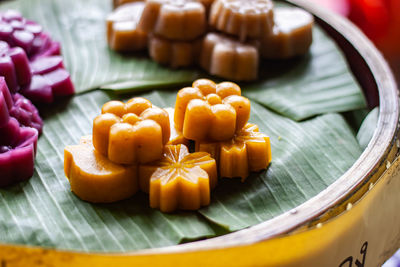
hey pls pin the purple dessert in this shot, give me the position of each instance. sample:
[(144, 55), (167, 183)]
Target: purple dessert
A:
[(30, 65), (49, 79), (18, 107), (27, 34), (18, 154), (17, 142), (26, 113)]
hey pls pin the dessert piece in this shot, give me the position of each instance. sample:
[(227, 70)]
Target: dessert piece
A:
[(17, 152), (249, 150), (132, 132), (292, 34), (95, 178), (207, 4), (26, 113), (243, 18), (49, 79), (183, 20), (14, 67), (117, 3), (176, 136), (18, 107), (122, 32), (26, 34), (17, 144), (174, 53), (179, 180), (228, 58), (209, 111), (6, 102)]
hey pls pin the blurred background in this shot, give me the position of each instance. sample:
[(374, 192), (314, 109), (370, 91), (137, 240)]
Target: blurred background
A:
[(380, 21)]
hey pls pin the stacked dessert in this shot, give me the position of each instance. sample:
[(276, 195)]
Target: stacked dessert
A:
[(227, 41), (30, 66), (137, 145)]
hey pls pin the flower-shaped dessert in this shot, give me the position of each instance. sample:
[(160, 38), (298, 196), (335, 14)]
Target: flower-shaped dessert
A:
[(179, 180), (228, 58), (132, 132), (209, 111), (27, 34), (122, 32), (26, 113), (249, 150), (292, 34), (176, 136), (207, 4), (243, 18), (174, 53), (17, 152), (49, 79), (117, 3), (14, 66), (183, 20), (94, 178), (18, 107)]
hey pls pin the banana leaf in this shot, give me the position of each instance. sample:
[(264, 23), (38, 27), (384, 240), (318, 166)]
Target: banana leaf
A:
[(307, 157), (368, 128)]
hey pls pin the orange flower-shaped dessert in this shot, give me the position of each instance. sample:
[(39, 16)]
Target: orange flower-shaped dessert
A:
[(249, 150), (132, 132), (179, 180), (209, 111), (94, 178), (176, 137)]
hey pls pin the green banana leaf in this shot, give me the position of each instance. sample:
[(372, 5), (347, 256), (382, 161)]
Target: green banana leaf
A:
[(317, 83), (307, 157), (368, 128)]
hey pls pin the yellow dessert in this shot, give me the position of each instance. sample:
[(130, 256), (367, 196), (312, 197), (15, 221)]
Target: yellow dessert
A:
[(292, 34), (183, 20), (122, 32), (95, 178), (209, 111), (179, 180), (176, 136), (243, 18), (117, 3), (132, 132), (249, 150), (226, 57), (174, 53)]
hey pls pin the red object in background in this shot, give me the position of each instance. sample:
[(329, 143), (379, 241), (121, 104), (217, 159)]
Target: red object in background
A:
[(380, 21)]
